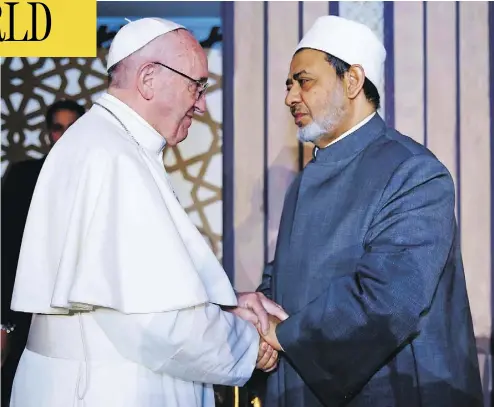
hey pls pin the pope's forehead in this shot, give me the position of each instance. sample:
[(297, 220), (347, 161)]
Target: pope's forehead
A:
[(185, 52), (307, 59), (198, 60)]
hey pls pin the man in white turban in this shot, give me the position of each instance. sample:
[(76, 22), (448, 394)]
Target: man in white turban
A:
[(368, 262), (127, 297)]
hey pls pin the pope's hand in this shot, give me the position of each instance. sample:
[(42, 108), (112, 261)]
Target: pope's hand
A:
[(256, 307), (267, 357), (271, 337)]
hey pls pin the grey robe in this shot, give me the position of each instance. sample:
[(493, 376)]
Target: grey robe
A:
[(368, 266)]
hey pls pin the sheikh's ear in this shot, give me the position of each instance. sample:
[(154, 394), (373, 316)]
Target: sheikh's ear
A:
[(355, 78)]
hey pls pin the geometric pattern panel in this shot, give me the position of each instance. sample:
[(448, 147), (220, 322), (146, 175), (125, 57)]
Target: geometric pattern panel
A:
[(30, 85), (369, 13)]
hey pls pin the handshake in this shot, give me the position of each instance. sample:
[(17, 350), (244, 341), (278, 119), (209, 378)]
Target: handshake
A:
[(265, 315)]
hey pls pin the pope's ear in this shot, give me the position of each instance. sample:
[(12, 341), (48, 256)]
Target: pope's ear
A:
[(355, 78), (145, 80)]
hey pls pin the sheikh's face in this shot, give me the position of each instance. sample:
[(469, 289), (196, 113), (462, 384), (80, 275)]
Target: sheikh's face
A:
[(315, 95)]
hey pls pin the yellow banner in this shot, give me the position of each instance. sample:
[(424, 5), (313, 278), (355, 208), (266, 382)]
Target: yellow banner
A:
[(48, 28)]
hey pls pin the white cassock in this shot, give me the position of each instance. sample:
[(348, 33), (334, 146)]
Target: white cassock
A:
[(123, 288)]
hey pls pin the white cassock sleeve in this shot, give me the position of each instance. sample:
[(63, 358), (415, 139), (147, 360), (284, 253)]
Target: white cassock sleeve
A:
[(202, 344)]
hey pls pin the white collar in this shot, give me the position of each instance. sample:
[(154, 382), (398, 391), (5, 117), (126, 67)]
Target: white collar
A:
[(139, 128), (348, 132)]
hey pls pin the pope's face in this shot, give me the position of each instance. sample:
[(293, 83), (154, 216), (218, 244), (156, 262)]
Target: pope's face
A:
[(315, 95), (191, 99), (187, 97), (174, 86)]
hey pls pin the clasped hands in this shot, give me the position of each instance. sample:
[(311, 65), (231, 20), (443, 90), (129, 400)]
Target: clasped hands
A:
[(265, 315)]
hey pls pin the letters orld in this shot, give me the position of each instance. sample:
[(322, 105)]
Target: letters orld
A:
[(31, 32)]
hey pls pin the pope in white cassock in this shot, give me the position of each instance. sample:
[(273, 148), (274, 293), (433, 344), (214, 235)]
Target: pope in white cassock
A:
[(129, 302)]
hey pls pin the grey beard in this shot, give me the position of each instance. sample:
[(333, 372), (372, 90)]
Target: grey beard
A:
[(312, 132)]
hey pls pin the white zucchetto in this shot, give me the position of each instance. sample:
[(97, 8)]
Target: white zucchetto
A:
[(136, 35)]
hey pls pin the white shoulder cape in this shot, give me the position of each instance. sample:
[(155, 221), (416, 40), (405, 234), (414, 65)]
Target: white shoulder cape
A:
[(105, 230)]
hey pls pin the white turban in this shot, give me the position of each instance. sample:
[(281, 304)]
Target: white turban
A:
[(352, 42), (135, 35)]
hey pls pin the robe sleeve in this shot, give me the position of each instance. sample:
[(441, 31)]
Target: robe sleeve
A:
[(265, 286), (201, 343), (341, 338)]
